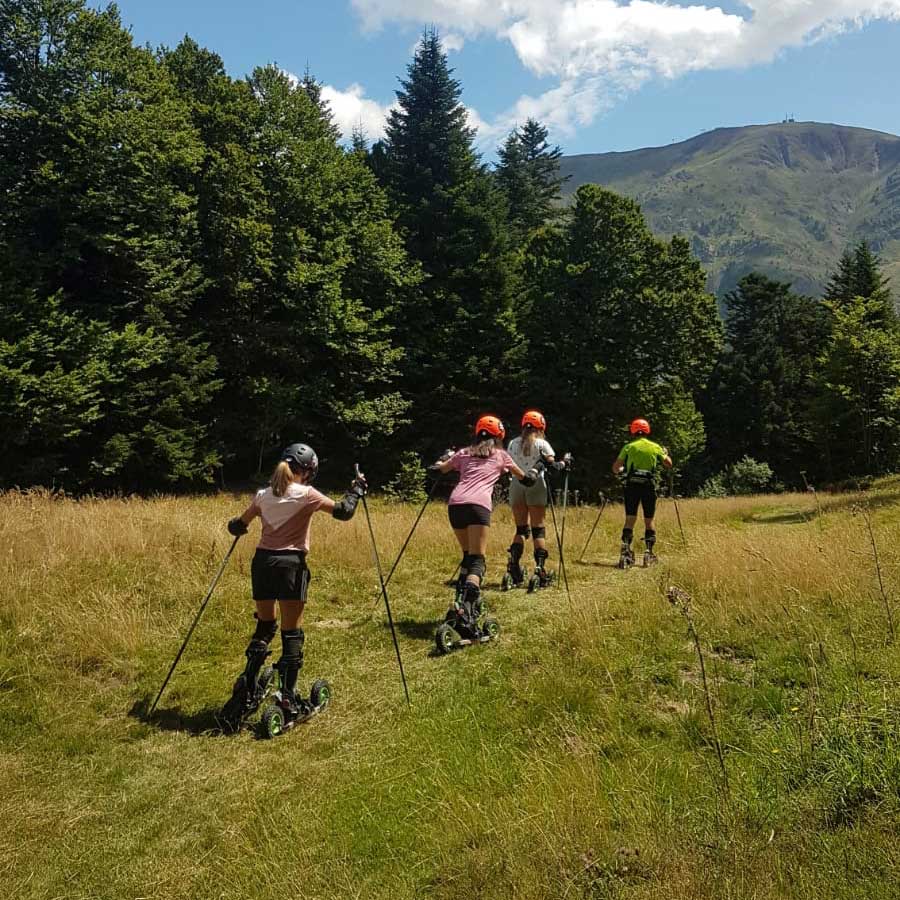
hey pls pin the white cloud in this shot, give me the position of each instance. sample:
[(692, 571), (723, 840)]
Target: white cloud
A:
[(601, 49), (352, 109)]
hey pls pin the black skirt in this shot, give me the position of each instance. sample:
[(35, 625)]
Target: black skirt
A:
[(462, 515), (279, 575)]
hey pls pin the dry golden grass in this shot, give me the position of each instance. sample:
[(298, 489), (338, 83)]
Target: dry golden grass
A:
[(572, 758)]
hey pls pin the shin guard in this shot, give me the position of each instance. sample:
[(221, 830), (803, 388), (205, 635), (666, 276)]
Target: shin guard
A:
[(291, 660)]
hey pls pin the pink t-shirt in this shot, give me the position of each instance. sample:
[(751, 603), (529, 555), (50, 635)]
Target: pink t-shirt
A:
[(477, 476), (285, 520)]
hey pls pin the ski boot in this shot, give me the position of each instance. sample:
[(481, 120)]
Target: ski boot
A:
[(287, 710), (626, 557), (250, 689), (650, 558), (515, 574), (466, 623), (542, 578)]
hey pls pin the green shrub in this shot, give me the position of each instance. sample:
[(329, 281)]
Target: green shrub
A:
[(746, 476), (408, 485)]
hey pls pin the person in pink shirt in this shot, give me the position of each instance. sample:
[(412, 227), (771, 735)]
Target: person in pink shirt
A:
[(470, 505), (279, 575)]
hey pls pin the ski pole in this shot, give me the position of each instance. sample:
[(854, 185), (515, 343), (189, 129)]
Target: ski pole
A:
[(209, 594), (565, 507), (384, 593), (559, 545), (428, 500), (596, 523), (677, 511)]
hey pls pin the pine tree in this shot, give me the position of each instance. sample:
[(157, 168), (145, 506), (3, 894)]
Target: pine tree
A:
[(762, 390), (528, 174), (458, 326), (858, 407), (859, 274)]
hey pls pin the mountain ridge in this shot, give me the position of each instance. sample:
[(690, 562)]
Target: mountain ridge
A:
[(784, 199)]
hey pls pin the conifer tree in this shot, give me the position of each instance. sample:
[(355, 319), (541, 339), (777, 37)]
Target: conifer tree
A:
[(459, 330), (528, 174), (762, 390), (859, 274)]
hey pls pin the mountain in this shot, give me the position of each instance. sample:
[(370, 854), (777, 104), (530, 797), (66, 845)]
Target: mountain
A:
[(783, 199)]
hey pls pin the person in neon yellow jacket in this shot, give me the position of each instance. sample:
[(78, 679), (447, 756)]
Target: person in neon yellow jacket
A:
[(639, 461)]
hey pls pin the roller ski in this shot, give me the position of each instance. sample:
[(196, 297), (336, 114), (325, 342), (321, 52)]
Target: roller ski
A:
[(542, 577), (287, 710), (250, 689), (650, 558), (515, 574), (626, 557), (466, 623)]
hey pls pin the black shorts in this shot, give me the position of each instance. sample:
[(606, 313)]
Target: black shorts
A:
[(279, 575), (462, 515), (640, 493)]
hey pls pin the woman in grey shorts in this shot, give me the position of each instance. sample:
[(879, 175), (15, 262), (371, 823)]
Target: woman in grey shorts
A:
[(529, 504)]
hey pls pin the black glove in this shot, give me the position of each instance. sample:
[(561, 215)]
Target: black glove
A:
[(237, 526), (359, 486), (529, 478)]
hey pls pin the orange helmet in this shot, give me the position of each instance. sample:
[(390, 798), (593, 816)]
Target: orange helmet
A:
[(490, 426), (534, 419), (640, 426)]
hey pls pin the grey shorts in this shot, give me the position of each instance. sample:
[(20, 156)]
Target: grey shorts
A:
[(519, 495)]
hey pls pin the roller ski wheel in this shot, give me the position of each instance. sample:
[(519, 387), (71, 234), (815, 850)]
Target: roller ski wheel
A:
[(240, 706), (533, 583), (626, 561), (650, 559), (506, 582), (280, 717), (447, 638)]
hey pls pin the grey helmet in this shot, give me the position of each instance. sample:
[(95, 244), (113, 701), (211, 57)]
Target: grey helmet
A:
[(301, 458)]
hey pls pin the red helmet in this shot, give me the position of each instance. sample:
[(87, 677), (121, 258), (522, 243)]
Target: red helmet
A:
[(640, 426), (490, 426), (534, 419)]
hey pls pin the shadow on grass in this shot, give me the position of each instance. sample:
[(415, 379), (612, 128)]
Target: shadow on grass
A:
[(203, 723), (418, 631), (595, 565)]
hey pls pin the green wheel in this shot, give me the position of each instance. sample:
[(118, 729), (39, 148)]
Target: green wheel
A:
[(272, 721), (491, 627), (506, 582), (320, 694), (443, 638), (533, 583)]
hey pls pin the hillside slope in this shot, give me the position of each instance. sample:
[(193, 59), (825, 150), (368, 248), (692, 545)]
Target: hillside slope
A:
[(783, 199)]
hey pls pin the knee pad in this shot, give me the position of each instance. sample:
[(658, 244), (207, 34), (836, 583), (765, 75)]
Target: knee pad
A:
[(292, 645), (265, 631), (477, 565), (523, 531), (516, 551), (539, 532)]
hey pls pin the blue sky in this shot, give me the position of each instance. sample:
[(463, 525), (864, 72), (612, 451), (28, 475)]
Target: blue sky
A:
[(602, 74)]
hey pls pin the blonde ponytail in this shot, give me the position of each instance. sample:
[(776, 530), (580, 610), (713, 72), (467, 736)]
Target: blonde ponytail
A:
[(282, 478)]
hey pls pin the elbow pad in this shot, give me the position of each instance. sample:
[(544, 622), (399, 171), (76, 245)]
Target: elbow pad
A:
[(344, 510)]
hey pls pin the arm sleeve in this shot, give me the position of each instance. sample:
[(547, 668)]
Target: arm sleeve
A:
[(548, 449)]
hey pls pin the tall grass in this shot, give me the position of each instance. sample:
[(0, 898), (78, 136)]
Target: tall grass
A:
[(572, 758)]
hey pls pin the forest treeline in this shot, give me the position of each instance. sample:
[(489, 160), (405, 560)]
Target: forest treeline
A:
[(195, 269)]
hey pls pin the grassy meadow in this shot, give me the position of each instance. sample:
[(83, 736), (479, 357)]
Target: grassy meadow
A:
[(573, 758)]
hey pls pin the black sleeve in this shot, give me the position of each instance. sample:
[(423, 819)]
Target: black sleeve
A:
[(344, 509)]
